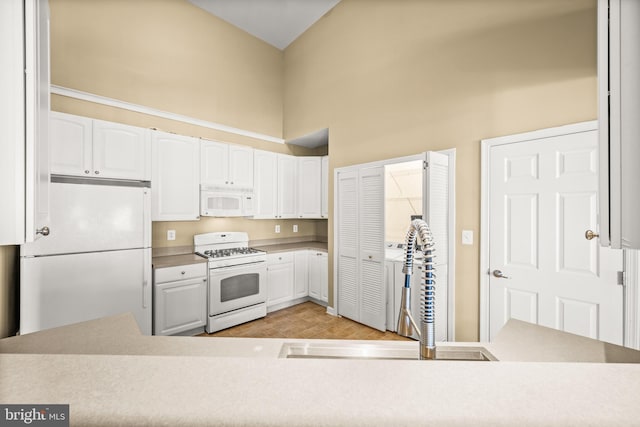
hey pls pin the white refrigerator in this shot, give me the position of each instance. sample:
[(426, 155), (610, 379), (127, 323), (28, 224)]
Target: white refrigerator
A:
[(95, 262)]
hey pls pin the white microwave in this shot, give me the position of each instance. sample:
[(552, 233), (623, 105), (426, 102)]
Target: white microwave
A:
[(226, 203)]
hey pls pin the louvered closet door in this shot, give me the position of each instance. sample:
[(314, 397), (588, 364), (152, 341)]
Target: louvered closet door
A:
[(371, 229), (436, 208), (348, 244)]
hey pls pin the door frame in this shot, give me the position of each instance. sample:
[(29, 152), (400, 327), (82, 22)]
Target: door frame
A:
[(631, 322), (451, 276)]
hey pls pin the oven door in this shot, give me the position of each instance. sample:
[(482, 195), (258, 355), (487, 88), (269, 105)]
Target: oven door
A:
[(236, 287)]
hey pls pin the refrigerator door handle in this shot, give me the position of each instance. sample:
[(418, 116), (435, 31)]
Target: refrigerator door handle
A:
[(146, 206), (145, 284)]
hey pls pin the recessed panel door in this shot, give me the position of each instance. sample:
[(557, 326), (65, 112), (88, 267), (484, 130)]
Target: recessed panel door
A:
[(543, 198)]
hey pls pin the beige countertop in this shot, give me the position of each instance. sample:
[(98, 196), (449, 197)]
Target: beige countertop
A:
[(172, 257), (284, 247), (112, 375), (176, 260)]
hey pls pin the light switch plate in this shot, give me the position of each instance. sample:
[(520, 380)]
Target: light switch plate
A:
[(295, 228), (171, 234), (467, 237)]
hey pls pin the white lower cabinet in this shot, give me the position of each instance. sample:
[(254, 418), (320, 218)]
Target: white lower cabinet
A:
[(280, 277), (179, 298), (301, 287), (319, 275), (294, 276)]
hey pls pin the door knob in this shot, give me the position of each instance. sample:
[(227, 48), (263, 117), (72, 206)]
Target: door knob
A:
[(499, 275), (590, 235), (44, 231)]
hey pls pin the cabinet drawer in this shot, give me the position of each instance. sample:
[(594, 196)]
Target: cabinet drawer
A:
[(181, 272), (280, 258)]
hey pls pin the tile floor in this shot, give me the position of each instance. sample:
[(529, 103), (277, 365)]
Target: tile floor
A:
[(307, 320)]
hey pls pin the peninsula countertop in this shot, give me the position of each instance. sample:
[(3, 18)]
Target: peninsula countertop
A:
[(108, 379)]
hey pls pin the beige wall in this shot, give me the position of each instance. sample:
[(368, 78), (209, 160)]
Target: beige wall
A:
[(395, 78), (8, 290), (172, 56)]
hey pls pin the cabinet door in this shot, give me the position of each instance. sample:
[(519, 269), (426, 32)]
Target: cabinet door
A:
[(37, 108), (175, 191), (324, 190), (121, 151), (314, 275), (214, 166), (12, 123), (324, 276), (309, 187), (71, 144), (301, 275), (287, 186), (265, 167), (241, 167), (279, 278), (180, 306)]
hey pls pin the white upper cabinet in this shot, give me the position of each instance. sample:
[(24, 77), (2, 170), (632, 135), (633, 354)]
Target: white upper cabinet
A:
[(241, 166), (265, 171), (86, 147), (275, 185), (121, 151), (214, 160), (324, 203), (71, 144), (287, 186), (226, 166), (309, 187), (175, 189)]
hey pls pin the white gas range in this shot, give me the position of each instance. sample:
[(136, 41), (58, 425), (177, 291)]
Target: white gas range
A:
[(237, 279)]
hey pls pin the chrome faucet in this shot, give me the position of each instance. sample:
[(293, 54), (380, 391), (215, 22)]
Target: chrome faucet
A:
[(406, 323)]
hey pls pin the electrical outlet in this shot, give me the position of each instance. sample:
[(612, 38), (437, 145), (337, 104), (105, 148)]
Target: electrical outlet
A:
[(467, 237), (171, 234), (295, 228), (278, 228)]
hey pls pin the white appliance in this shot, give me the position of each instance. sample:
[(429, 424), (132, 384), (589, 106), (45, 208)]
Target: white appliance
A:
[(237, 279), (96, 260), (226, 203)]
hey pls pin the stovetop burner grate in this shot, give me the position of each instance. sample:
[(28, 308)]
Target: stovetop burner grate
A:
[(221, 253)]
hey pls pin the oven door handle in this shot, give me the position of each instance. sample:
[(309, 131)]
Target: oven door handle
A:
[(238, 266)]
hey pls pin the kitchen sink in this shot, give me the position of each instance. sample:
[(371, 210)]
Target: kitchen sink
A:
[(380, 352)]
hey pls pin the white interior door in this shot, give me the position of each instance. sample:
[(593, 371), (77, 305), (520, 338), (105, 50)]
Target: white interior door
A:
[(542, 199), (372, 290), (347, 202)]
